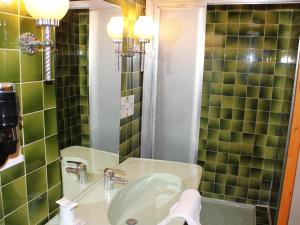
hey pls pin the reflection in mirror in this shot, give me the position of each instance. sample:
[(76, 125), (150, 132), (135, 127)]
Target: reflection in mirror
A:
[(88, 95)]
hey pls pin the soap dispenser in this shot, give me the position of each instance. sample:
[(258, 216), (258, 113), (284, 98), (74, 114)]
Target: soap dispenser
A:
[(9, 121)]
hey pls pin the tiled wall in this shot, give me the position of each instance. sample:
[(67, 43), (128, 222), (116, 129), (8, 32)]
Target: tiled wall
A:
[(250, 61), (131, 84), (72, 79), (83, 76), (29, 190)]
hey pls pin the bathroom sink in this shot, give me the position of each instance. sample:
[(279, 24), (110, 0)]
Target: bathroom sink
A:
[(147, 197), (154, 186)]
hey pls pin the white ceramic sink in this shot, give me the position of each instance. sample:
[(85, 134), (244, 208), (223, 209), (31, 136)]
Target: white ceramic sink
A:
[(154, 186), (147, 197)]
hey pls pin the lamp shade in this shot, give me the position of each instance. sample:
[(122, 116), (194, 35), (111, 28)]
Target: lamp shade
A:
[(144, 27), (47, 9), (115, 27)]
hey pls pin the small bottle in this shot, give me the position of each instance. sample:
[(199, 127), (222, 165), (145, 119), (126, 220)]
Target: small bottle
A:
[(67, 214)]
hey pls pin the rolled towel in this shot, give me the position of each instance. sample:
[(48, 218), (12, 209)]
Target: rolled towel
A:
[(188, 207)]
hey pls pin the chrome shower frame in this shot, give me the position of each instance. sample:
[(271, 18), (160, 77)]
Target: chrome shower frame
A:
[(150, 71)]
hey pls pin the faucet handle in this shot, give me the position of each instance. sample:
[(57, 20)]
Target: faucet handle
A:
[(111, 172), (78, 164)]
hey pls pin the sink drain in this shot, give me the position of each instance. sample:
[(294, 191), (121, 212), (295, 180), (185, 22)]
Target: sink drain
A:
[(131, 221)]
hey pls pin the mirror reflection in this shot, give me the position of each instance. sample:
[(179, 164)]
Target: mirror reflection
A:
[(88, 95)]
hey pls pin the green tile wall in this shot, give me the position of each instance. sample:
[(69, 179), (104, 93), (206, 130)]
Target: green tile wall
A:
[(131, 84), (72, 79), (84, 76), (26, 196), (250, 61)]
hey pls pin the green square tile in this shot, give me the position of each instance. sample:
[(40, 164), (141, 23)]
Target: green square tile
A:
[(210, 17), (233, 29), (35, 189), (31, 67), (34, 156), (252, 92), (19, 217), (9, 72), (245, 29), (219, 40), (259, 17), (12, 173), (272, 17), (233, 17), (49, 95), (11, 37), (54, 174), (282, 43), (33, 127), (50, 122), (32, 97), (221, 29), (221, 17), (284, 30), (265, 92), (270, 43), (38, 209), (14, 195), (52, 151), (237, 125), (285, 17), (232, 42), (257, 42), (54, 194), (246, 17)]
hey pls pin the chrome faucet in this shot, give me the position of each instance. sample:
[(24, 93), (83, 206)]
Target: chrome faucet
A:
[(110, 178), (80, 170)]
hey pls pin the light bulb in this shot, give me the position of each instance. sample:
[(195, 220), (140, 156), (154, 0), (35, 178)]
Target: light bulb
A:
[(115, 28), (6, 2), (144, 27), (47, 9)]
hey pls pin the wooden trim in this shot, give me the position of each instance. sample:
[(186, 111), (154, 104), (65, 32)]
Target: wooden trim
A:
[(291, 160)]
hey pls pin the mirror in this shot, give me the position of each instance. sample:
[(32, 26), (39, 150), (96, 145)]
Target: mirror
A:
[(88, 95)]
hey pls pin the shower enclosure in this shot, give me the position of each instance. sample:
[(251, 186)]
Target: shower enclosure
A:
[(229, 66)]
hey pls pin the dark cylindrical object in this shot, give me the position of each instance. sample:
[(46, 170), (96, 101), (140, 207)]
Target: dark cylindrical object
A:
[(9, 121)]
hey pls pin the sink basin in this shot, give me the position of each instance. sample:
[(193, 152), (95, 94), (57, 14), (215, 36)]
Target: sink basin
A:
[(150, 196), (154, 186)]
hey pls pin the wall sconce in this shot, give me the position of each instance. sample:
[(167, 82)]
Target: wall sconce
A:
[(143, 30), (47, 13)]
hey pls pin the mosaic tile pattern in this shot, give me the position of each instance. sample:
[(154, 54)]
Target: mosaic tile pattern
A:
[(23, 200), (250, 61), (72, 79), (131, 84)]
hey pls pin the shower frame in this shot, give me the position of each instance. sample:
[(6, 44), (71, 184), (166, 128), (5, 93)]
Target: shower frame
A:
[(153, 8)]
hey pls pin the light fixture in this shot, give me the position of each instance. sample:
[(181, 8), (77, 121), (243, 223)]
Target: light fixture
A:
[(115, 28), (6, 2), (47, 14), (143, 30)]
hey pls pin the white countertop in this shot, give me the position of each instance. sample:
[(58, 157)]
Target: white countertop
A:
[(94, 202)]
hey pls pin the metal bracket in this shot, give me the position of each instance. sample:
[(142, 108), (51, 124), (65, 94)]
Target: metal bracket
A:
[(29, 44)]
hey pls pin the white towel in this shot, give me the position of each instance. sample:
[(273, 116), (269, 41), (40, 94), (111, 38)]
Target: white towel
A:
[(188, 207)]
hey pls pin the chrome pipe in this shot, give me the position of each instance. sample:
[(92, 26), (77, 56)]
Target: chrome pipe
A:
[(47, 53)]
